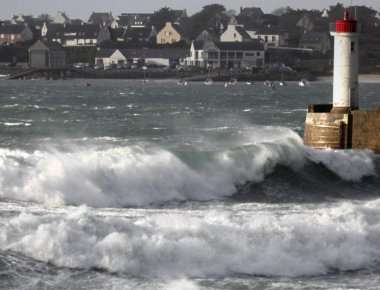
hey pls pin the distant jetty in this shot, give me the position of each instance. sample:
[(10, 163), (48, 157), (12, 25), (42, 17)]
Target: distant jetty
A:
[(221, 75)]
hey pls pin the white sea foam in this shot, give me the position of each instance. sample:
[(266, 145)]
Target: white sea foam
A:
[(182, 284), (17, 124), (350, 165), (136, 176), (173, 245)]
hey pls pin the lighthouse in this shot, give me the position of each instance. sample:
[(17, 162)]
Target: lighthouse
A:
[(346, 64), (341, 124)]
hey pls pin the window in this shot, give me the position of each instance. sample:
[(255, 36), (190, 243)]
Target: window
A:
[(273, 38), (266, 38), (249, 54), (258, 53), (239, 55), (213, 55), (231, 54), (235, 35), (352, 46), (223, 55)]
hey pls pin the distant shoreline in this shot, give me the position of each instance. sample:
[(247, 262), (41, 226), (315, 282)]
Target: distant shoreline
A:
[(363, 78)]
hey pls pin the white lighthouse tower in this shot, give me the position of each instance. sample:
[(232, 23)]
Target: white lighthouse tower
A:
[(346, 64)]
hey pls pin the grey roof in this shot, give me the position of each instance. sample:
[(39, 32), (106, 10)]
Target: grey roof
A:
[(198, 44), (12, 28), (269, 30), (251, 45), (167, 53), (127, 19), (101, 18), (251, 11), (118, 33), (242, 32), (47, 44), (107, 52), (138, 33), (85, 30), (207, 35)]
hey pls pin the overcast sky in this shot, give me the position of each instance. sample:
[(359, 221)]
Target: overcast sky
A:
[(82, 8)]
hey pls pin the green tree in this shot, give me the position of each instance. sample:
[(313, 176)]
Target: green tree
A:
[(160, 17), (208, 18)]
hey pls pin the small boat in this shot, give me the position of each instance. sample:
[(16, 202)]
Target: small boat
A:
[(208, 82), (269, 84), (249, 83), (302, 83), (182, 83), (226, 84), (88, 85), (282, 84), (233, 82)]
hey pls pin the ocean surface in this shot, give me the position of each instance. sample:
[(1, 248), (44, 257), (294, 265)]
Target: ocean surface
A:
[(125, 185)]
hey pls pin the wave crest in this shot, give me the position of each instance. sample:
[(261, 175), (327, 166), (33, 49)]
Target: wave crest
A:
[(136, 176)]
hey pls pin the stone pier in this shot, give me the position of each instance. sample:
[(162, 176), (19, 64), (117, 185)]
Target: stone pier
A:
[(354, 129)]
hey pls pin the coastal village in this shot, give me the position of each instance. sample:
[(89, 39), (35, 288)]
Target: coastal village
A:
[(214, 42)]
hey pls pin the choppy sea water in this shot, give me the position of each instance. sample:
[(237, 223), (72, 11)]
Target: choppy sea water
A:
[(124, 185)]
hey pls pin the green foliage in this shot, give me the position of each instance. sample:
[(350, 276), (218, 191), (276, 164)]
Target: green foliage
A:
[(160, 17), (210, 15)]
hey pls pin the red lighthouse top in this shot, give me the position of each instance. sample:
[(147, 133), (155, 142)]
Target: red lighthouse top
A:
[(347, 24)]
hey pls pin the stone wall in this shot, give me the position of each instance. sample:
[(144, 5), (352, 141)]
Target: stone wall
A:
[(366, 130), (326, 130)]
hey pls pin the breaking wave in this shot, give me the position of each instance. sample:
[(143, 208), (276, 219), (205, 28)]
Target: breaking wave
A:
[(174, 244), (137, 176)]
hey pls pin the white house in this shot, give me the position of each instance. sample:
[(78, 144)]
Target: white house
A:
[(270, 36), (108, 57), (235, 32), (226, 54)]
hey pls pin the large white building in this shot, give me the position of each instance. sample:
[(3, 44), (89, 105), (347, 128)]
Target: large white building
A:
[(209, 54)]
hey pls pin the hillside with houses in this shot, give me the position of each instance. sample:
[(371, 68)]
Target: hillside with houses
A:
[(213, 40)]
